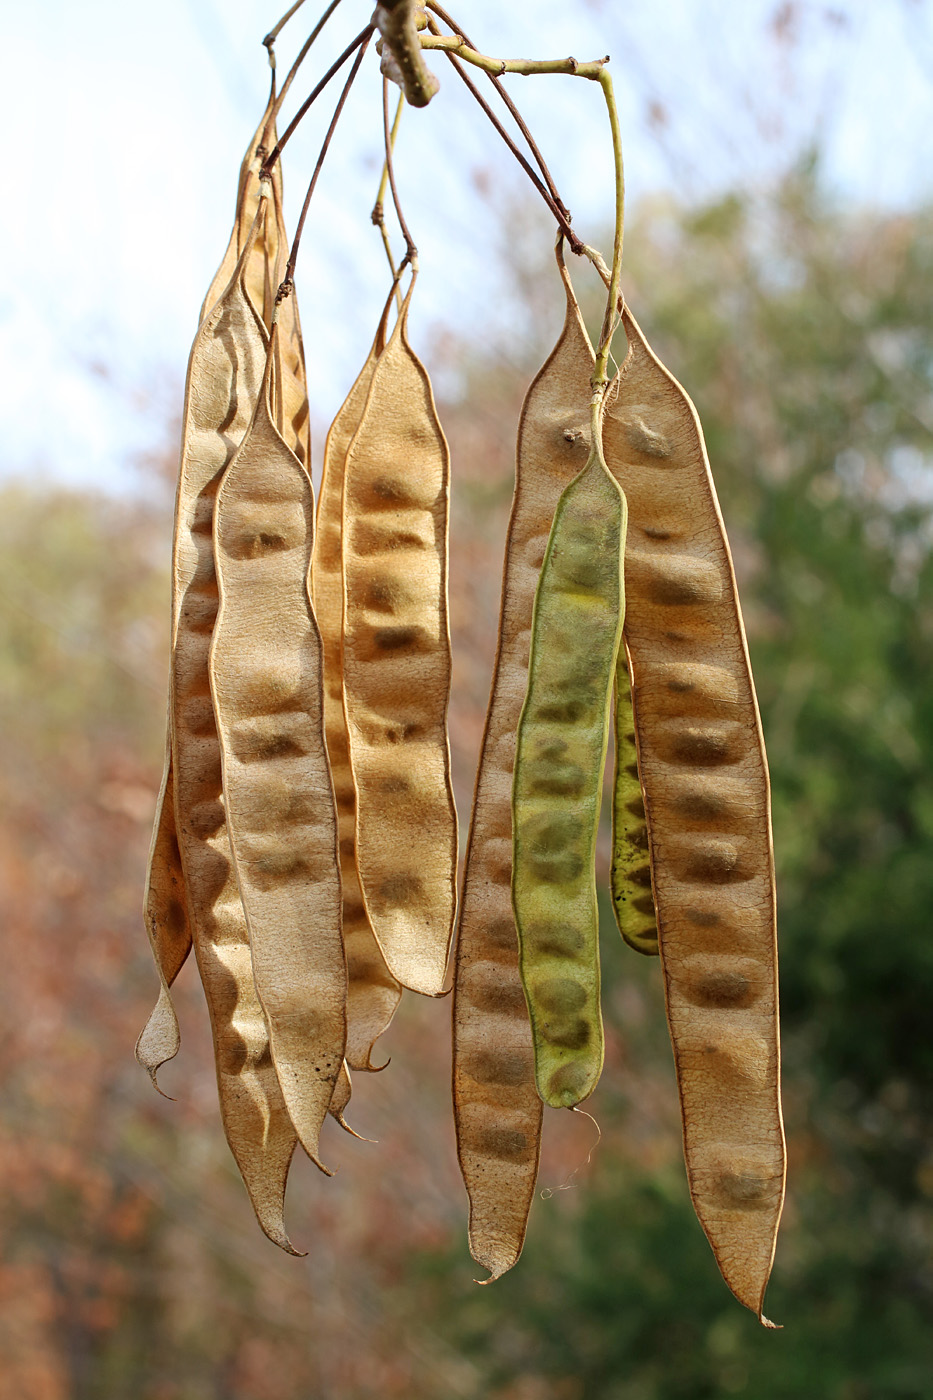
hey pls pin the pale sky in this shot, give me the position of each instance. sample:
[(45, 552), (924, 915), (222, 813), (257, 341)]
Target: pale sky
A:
[(128, 122)]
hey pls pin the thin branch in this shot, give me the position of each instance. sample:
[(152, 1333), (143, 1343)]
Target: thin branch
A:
[(411, 253), (610, 320), (378, 213), (302, 52), (556, 206), (455, 43), (273, 34), (517, 117), (360, 42), (289, 278)]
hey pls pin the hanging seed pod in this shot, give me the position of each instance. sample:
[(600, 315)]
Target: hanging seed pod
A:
[(632, 899), (264, 249), (397, 666), (165, 909), (708, 810), (373, 993), (224, 376), (497, 1108), (161, 1031), (560, 753), (292, 415), (266, 681)]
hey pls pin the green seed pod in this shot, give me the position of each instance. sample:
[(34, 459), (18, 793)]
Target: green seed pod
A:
[(561, 752), (632, 897)]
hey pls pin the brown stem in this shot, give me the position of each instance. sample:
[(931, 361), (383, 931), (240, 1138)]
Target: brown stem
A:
[(273, 34), (360, 42), (289, 278), (378, 211), (302, 55), (411, 252), (556, 206), (517, 117)]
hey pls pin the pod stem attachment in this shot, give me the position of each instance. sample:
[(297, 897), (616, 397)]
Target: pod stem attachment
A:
[(611, 317), (360, 42), (411, 252), (517, 117), (289, 277)]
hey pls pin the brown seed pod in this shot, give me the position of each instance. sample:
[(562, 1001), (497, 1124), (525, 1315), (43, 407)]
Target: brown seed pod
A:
[(291, 383), (165, 910), (632, 899), (161, 1031), (267, 687), (261, 266), (496, 1105), (708, 809), (372, 992), (224, 376), (397, 666)]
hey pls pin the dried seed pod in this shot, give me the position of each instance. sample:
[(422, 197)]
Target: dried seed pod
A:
[(632, 898), (343, 1090), (291, 384), (708, 809), (557, 787), (161, 1031), (224, 376), (265, 240), (267, 686), (497, 1108), (165, 910), (372, 991), (397, 666)]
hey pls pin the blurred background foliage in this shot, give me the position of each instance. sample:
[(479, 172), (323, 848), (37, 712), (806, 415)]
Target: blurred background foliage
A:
[(130, 1261)]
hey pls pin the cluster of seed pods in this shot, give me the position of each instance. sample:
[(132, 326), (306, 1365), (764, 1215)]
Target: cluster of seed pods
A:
[(306, 843)]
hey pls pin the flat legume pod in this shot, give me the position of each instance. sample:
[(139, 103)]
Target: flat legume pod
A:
[(165, 910), (708, 809), (632, 899), (266, 681), (372, 991), (224, 376), (161, 1031), (397, 666), (497, 1109), (563, 735)]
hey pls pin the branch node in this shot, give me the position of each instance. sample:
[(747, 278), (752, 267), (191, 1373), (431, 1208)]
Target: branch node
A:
[(403, 62)]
